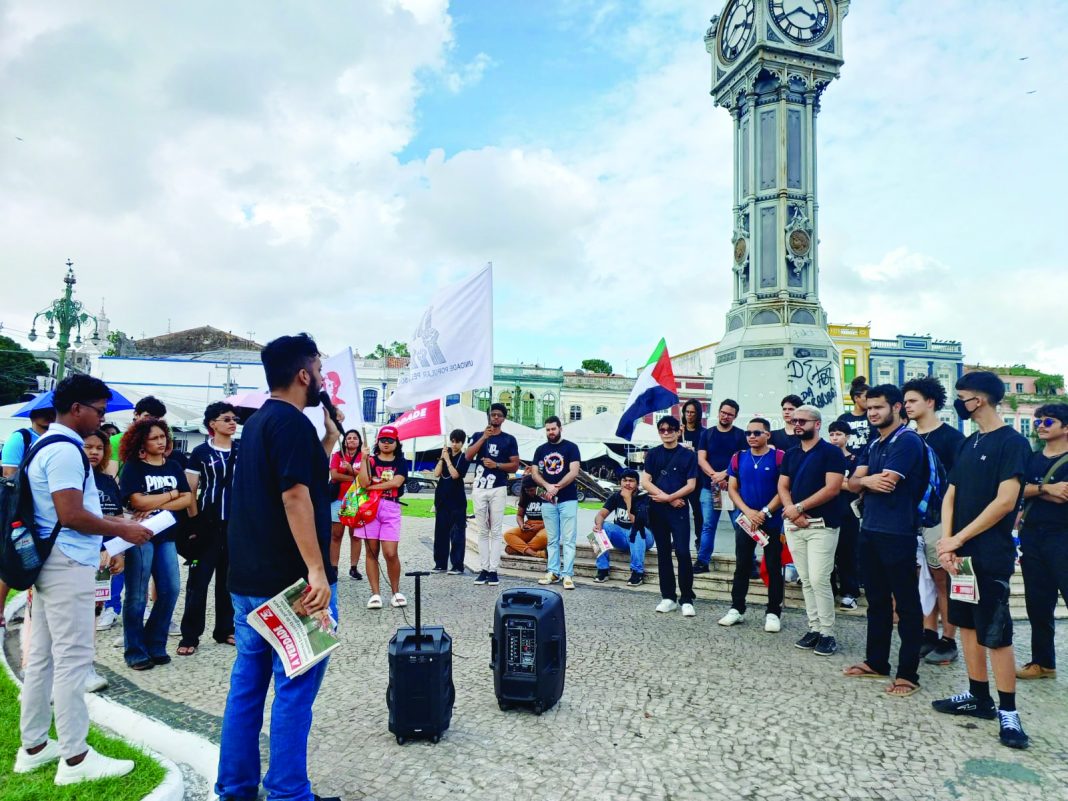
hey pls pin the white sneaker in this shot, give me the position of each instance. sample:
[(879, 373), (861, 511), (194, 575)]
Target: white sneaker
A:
[(107, 619), (732, 618), (94, 766), (94, 682), (688, 610), (173, 630), (374, 602), (666, 605), (119, 642), (772, 624), (398, 600), (25, 761)]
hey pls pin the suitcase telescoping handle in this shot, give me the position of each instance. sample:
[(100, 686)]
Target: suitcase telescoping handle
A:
[(418, 574)]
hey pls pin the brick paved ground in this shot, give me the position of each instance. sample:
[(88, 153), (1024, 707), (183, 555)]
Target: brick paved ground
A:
[(655, 707)]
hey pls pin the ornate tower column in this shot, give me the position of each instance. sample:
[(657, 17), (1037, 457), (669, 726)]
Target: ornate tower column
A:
[(771, 61)]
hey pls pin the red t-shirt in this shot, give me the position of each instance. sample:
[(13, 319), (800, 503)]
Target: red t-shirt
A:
[(335, 464)]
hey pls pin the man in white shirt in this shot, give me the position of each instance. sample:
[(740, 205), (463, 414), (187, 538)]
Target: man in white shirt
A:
[(66, 506)]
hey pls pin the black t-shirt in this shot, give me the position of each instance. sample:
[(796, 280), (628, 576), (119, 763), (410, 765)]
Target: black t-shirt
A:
[(669, 470), (720, 446), (984, 461), (808, 475), (896, 512), (553, 461), (859, 431), (215, 470), (279, 449), (110, 496), (945, 441), (530, 507), (782, 439), (499, 448), (142, 478), (847, 496), (449, 492), (381, 471), (1042, 513), (639, 508)]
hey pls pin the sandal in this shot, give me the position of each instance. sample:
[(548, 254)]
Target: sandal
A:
[(186, 650), (862, 671), (374, 602), (901, 688), (398, 600)]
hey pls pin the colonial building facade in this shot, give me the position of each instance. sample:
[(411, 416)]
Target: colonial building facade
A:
[(895, 361)]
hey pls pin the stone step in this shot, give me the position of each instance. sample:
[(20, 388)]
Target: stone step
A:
[(714, 585)]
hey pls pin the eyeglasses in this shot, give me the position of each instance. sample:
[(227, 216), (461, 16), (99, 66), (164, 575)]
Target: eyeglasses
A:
[(387, 441), (1048, 422), (99, 411), (755, 433)]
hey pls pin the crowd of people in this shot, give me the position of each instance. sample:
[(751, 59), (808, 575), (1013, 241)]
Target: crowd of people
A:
[(865, 505)]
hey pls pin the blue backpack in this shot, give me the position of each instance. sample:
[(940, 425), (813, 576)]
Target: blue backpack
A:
[(929, 505)]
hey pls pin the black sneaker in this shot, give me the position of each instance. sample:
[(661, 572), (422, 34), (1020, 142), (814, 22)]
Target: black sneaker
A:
[(492, 579), (438, 570), (355, 574), (1012, 733), (967, 704), (827, 646), (929, 643), (809, 641), (943, 654), (700, 567), (456, 571), (483, 577), (602, 576), (636, 579)]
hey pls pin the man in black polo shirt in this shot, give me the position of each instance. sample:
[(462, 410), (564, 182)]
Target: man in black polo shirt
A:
[(978, 513), (892, 472), (279, 532), (669, 475)]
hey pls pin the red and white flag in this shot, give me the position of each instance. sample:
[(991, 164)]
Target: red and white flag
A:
[(341, 384), (422, 421)]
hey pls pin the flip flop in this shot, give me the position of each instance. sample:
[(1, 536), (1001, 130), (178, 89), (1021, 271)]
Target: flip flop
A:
[(862, 671), (901, 688), (186, 650)]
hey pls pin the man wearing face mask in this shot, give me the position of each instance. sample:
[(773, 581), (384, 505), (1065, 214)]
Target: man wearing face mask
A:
[(978, 513)]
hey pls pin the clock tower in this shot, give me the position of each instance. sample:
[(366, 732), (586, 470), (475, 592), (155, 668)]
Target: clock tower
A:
[(771, 61)]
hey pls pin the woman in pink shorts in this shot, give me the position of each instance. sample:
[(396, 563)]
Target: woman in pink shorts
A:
[(385, 471)]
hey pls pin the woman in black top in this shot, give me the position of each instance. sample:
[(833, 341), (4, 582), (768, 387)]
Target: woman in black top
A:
[(691, 439)]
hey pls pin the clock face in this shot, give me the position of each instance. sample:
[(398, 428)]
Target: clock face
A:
[(802, 21), (737, 28)]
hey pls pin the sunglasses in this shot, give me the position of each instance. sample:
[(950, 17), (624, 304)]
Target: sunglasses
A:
[(387, 441), (799, 422), (227, 419), (666, 430), (1048, 422), (755, 433)]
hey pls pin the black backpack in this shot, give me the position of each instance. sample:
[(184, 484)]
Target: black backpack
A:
[(16, 504)]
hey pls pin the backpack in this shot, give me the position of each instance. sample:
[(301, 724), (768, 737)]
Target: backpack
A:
[(16, 505), (929, 505)]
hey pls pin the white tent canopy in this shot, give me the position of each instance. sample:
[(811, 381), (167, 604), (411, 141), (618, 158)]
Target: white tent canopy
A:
[(602, 428)]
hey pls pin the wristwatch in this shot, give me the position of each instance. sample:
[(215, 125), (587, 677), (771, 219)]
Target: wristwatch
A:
[(766, 511), (800, 507)]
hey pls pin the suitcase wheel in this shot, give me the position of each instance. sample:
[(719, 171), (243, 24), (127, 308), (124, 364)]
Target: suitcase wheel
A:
[(538, 708), (436, 739), (401, 740), (503, 706)]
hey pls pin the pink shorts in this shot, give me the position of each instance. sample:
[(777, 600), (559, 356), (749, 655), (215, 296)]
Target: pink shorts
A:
[(386, 526)]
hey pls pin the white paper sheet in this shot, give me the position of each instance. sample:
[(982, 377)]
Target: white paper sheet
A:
[(156, 524)]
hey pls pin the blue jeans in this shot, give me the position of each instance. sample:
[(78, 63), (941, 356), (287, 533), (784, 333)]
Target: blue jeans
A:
[(159, 561), (707, 543), (620, 538), (115, 602), (561, 524), (291, 716)]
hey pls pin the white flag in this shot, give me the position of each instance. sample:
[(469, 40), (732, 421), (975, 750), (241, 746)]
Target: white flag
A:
[(341, 384), (452, 347)]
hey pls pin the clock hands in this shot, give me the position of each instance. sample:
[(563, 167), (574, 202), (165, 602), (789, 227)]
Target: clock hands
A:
[(808, 14)]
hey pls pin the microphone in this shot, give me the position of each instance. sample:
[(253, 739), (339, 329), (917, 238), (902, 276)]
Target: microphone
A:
[(324, 398)]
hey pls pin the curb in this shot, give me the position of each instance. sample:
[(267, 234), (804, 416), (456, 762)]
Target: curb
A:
[(157, 740)]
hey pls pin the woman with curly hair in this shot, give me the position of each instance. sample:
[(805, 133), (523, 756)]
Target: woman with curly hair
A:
[(150, 483)]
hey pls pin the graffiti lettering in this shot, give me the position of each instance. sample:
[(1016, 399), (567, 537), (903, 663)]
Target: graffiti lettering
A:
[(816, 381)]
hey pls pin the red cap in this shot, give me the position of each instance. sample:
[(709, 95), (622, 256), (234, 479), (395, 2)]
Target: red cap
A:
[(389, 431)]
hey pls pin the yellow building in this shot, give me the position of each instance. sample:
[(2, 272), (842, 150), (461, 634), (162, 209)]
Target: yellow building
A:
[(854, 346)]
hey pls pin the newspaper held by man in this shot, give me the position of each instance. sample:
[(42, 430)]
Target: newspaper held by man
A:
[(300, 640), (599, 541), (755, 532), (963, 587)]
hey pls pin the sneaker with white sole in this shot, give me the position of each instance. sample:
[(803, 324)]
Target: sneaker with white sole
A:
[(848, 604), (107, 619), (772, 623), (688, 610), (569, 583), (666, 605), (173, 630), (94, 682), (25, 761), (548, 578), (732, 618), (94, 766), (398, 600), (374, 602)]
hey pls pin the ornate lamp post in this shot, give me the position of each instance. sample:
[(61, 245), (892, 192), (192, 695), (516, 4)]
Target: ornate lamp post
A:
[(68, 314)]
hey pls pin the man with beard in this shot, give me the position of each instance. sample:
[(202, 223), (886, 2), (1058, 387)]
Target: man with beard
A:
[(809, 484), (718, 444), (893, 474), (555, 468), (279, 532)]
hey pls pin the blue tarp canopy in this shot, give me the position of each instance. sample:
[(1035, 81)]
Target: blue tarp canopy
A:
[(118, 403)]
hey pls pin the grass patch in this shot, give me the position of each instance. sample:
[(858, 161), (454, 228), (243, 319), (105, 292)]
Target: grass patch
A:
[(424, 507), (146, 776)]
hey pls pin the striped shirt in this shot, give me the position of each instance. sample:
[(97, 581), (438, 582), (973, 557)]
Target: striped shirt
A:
[(215, 470)]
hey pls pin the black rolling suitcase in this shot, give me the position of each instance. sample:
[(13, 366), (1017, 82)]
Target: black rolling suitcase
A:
[(420, 693), (529, 649)]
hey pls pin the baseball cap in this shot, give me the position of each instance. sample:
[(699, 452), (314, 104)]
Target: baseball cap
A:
[(389, 432)]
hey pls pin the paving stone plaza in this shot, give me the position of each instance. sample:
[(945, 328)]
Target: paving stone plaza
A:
[(655, 707)]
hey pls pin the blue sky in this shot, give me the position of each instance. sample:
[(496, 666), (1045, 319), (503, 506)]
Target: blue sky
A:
[(326, 166)]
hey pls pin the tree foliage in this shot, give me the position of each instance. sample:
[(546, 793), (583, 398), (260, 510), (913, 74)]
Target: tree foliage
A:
[(393, 349), (597, 366), (18, 370)]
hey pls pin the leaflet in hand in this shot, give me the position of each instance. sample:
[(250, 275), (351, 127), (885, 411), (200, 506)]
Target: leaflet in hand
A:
[(158, 523), (599, 541), (103, 585), (755, 533), (963, 586), (300, 640)]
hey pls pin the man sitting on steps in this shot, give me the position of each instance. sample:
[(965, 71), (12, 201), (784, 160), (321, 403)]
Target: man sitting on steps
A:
[(628, 530)]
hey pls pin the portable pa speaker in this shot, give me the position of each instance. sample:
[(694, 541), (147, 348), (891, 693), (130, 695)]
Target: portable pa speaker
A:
[(529, 649)]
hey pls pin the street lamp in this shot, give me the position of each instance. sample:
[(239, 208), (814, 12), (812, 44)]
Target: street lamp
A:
[(69, 315)]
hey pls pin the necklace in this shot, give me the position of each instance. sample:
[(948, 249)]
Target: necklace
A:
[(978, 438), (756, 462)]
